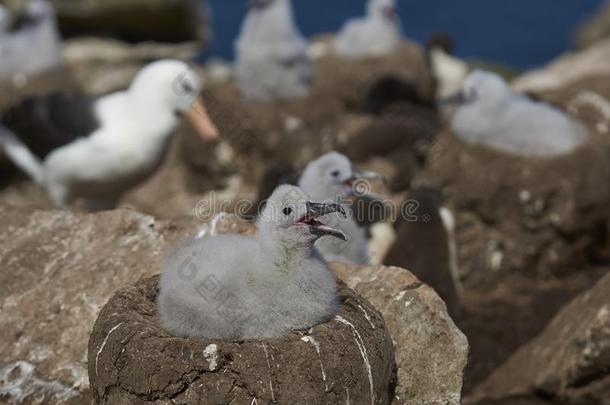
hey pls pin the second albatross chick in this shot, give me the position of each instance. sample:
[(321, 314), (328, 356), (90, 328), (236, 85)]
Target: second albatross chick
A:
[(76, 147), (332, 178), (237, 287), (491, 114)]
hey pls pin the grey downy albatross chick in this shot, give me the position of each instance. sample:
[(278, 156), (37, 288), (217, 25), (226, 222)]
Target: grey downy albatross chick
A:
[(489, 113), (237, 287), (331, 178), (271, 54)]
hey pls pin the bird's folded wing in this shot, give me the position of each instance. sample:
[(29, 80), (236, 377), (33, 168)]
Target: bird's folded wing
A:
[(48, 122)]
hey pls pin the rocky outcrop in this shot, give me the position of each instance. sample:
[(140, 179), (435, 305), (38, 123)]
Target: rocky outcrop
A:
[(567, 363), (133, 360), (567, 69), (431, 352), (58, 270)]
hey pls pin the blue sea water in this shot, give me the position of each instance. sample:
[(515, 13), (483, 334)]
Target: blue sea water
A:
[(518, 33)]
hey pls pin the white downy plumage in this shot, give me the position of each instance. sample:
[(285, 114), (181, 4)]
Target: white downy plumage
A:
[(271, 54), (129, 143), (237, 287), (377, 34), (491, 114)]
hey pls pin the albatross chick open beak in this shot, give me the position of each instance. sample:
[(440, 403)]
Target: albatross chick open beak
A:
[(200, 120), (316, 210)]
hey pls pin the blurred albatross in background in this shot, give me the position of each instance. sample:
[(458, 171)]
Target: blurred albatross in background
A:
[(30, 44), (378, 34), (77, 147), (489, 113), (272, 61)]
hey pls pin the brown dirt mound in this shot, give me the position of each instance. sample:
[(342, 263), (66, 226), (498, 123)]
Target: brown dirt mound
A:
[(133, 360)]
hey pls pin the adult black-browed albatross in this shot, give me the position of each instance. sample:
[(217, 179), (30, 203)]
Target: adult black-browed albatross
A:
[(77, 147)]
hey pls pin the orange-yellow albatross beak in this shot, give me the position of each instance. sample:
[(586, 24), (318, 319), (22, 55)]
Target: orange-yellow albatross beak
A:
[(201, 121)]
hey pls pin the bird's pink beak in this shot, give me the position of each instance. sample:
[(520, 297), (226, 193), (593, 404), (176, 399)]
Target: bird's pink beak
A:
[(200, 120)]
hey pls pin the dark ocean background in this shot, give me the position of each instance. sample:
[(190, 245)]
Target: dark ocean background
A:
[(518, 33)]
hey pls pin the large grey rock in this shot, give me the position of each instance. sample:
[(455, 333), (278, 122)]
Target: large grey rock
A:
[(133, 360), (431, 352), (58, 270), (567, 363)]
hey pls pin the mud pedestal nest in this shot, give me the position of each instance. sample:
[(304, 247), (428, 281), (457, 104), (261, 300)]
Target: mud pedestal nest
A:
[(133, 360)]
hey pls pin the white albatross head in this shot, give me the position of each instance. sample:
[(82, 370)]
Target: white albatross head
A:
[(174, 86)]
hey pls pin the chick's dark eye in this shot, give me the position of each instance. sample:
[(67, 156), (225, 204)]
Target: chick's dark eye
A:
[(335, 173), (287, 211)]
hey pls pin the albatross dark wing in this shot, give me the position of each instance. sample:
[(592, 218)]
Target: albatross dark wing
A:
[(49, 122)]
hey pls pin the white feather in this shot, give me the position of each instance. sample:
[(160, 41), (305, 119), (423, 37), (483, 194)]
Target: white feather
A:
[(129, 144)]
